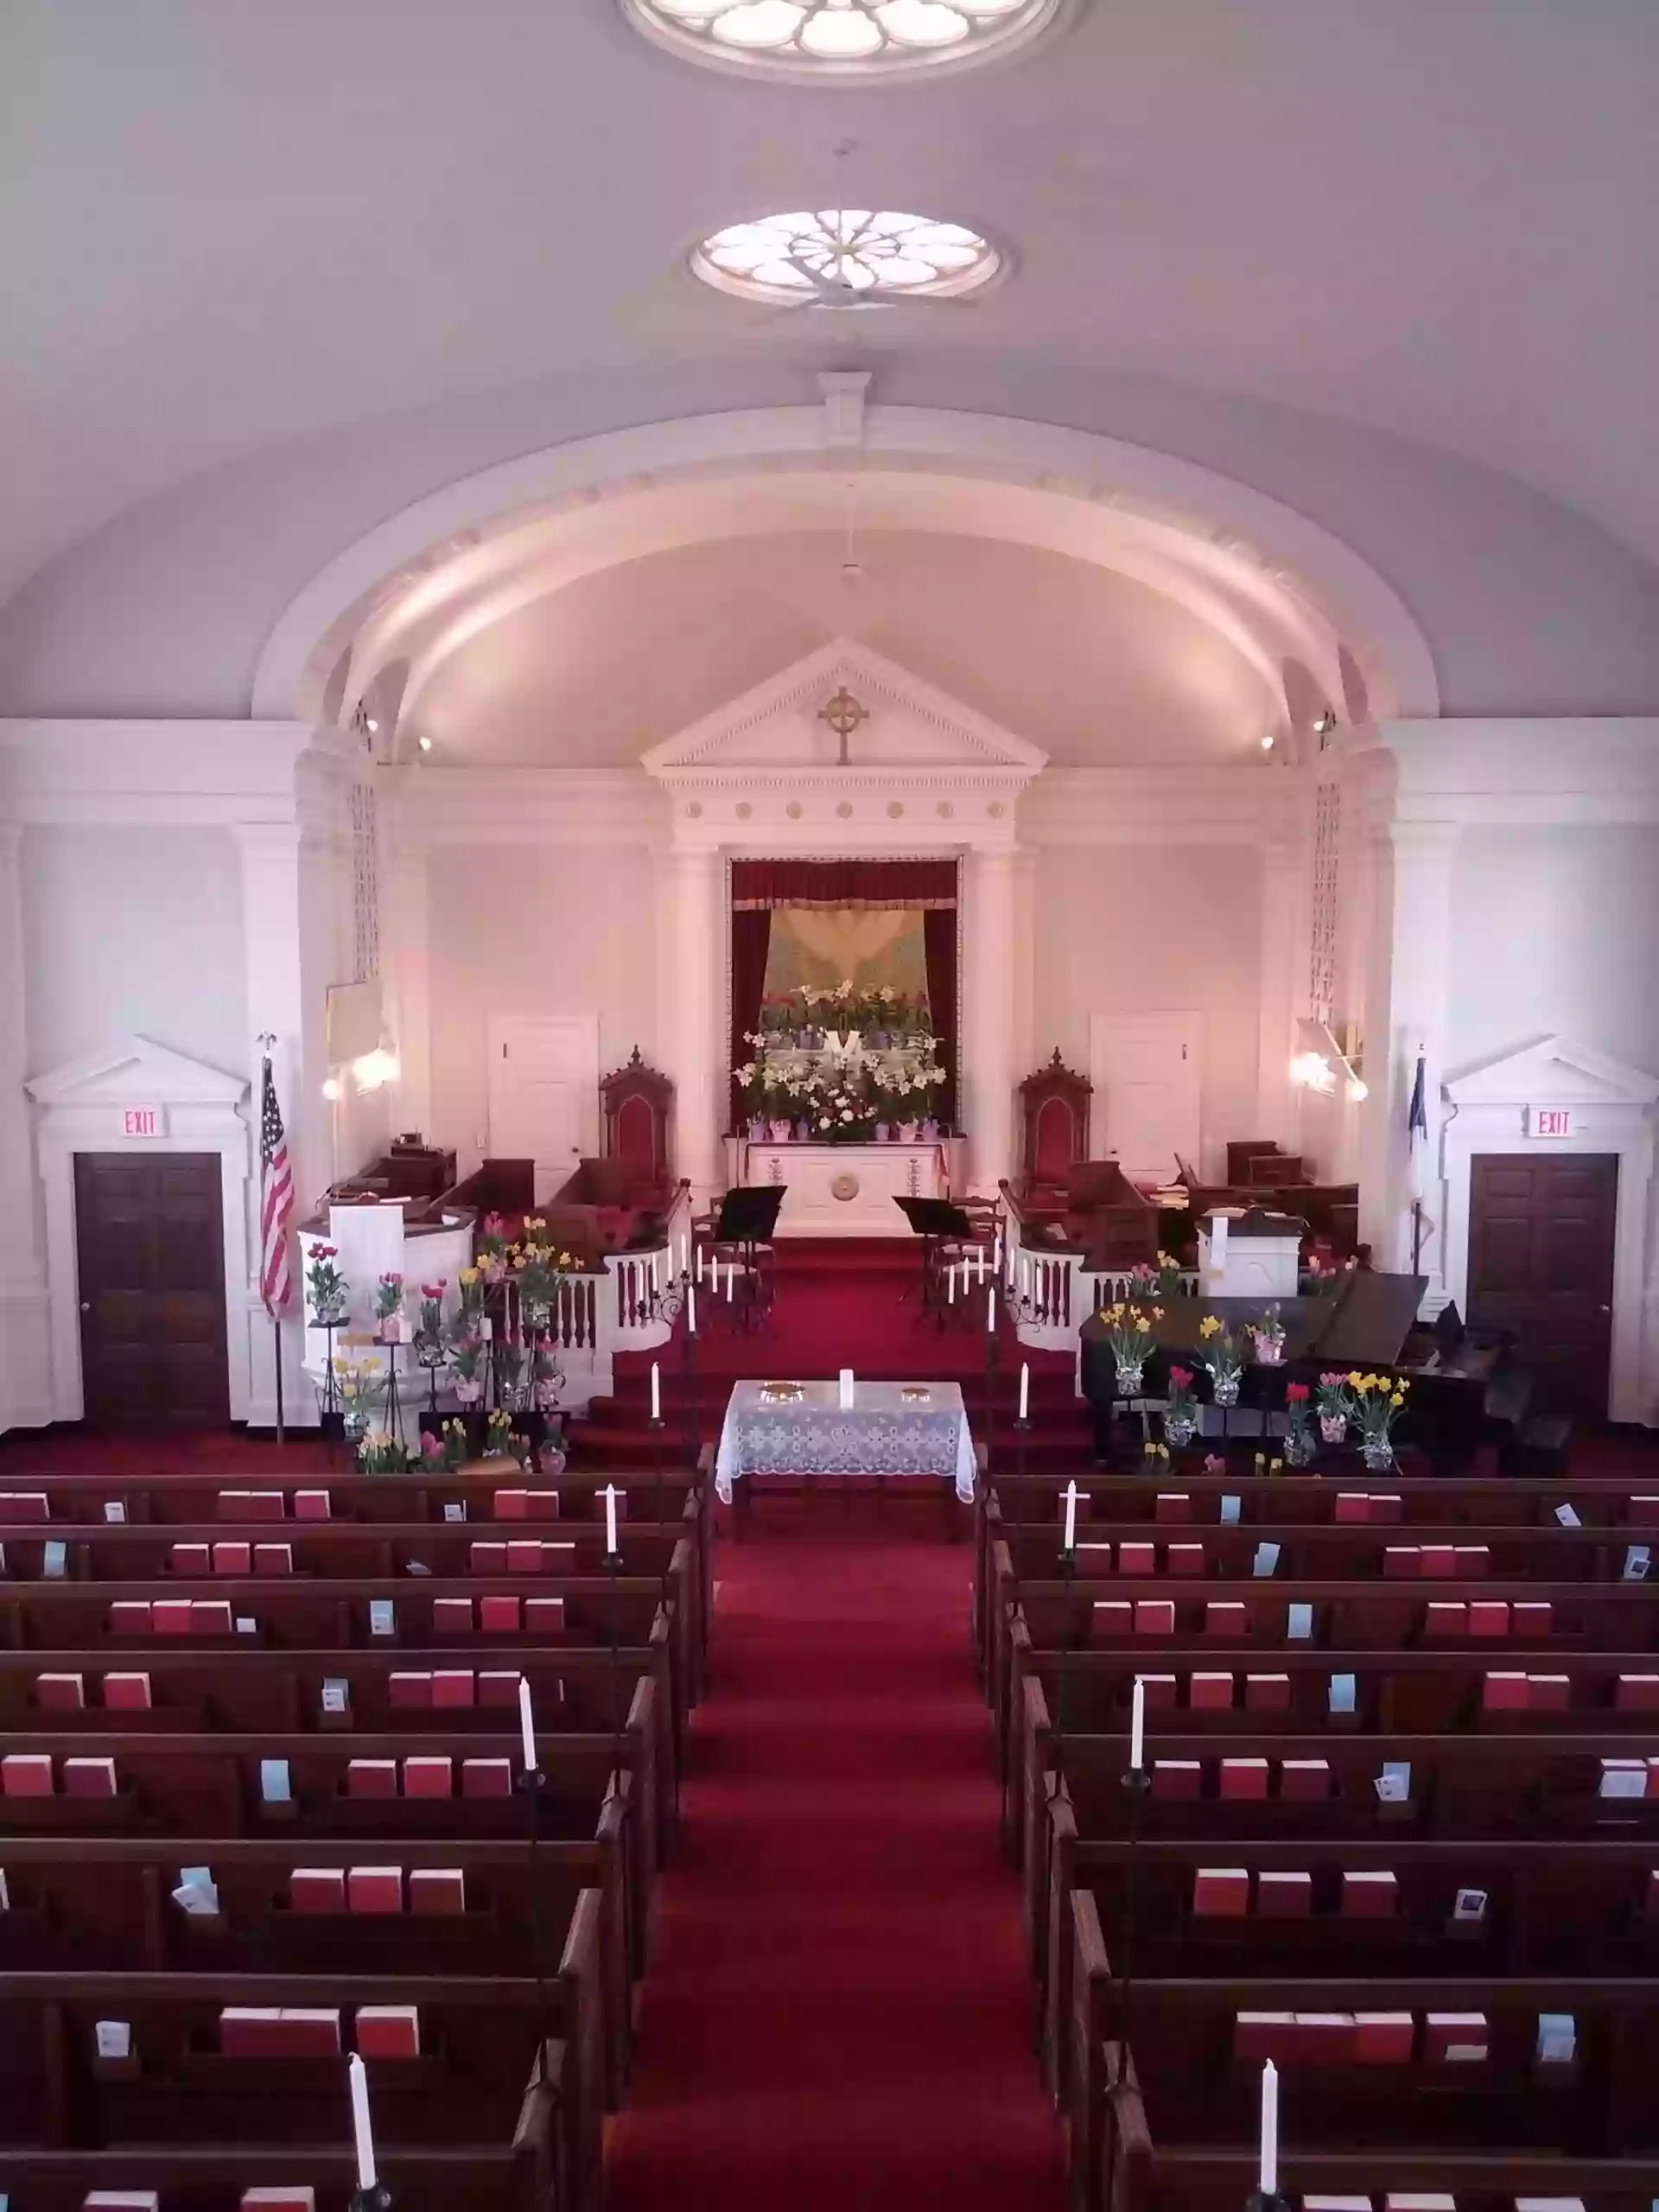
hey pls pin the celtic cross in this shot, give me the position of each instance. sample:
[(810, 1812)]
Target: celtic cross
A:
[(843, 713)]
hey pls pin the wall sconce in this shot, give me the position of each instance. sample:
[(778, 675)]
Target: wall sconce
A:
[(1319, 1060), (373, 1070)]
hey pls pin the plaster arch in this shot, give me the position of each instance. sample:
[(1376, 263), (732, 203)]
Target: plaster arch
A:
[(1282, 574)]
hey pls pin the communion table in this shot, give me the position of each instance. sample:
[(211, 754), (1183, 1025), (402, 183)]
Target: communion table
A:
[(848, 1190), (801, 1428)]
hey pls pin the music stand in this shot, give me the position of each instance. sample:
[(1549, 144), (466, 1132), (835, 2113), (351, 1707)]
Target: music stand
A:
[(935, 1221), (748, 1218)]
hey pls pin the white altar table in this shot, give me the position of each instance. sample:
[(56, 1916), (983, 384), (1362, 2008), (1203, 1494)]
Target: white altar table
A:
[(891, 1429), (846, 1189)]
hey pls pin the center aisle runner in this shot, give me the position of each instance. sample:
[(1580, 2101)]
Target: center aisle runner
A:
[(838, 2011)]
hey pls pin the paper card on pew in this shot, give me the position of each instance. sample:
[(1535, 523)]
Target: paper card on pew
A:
[(1336, 2204), (115, 1509), (112, 2038), (120, 2199), (337, 1695), (1469, 1905), (275, 1787), (1558, 2038), (417, 1566), (5, 1893), (1622, 1778), (55, 1559), (1393, 1785), (1567, 1517), (1267, 1559), (1229, 1510), (383, 1616), (1638, 1560), (1298, 1623), (1419, 2201), (197, 1891), (1343, 1693), (1549, 2204), (246, 1624), (455, 1509), (388, 2030)]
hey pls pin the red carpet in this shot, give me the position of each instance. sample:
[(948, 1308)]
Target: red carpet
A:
[(838, 2016)]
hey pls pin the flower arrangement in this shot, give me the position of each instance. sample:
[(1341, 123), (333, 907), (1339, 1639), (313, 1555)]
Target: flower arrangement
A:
[(1299, 1446), (1180, 1407), (325, 1285), (754, 1086), (492, 1247), (498, 1434), (467, 1357), (546, 1380), (428, 1327), (1336, 1407), (434, 1460), (510, 1361), (389, 1308), (1214, 1464), (1378, 1401), (380, 1454), (536, 1269), (357, 1388), (839, 1111), (1269, 1337), (470, 1288), (1128, 1331), (454, 1444), (1222, 1357)]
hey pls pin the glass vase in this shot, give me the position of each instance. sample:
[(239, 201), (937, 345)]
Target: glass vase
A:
[(1300, 1446), (1225, 1392), (1129, 1374), (1333, 1428), (1377, 1452), (1179, 1429), (1269, 1352)]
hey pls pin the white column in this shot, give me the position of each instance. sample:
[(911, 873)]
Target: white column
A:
[(1405, 1015), (985, 1046), (689, 1010), (25, 1355), (1282, 986), (406, 966)]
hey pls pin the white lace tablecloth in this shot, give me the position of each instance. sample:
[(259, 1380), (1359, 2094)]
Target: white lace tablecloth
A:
[(884, 1433)]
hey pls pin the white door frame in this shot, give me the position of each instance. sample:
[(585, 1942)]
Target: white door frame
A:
[(1187, 1026), (80, 1109), (501, 1018), (1612, 1109)]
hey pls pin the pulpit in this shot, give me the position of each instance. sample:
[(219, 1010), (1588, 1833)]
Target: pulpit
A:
[(1055, 1101)]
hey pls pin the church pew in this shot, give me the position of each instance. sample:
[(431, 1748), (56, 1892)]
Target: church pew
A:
[(479, 2041), (1200, 2073), (1164, 2174), (515, 2176), (1547, 1911), (106, 1903), (326, 1599), (1475, 1553)]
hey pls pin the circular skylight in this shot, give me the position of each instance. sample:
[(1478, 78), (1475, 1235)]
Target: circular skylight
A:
[(840, 258), (830, 38)]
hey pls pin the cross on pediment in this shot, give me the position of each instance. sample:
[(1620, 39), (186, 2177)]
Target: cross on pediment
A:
[(843, 713)]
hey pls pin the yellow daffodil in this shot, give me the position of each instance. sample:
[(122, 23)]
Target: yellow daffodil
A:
[(1209, 1326), (1354, 1379)]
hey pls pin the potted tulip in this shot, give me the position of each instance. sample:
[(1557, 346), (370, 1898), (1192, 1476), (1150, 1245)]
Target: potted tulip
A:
[(1221, 1358), (1336, 1405), (1268, 1334), (1180, 1409), (389, 1326), (1299, 1443), (325, 1286)]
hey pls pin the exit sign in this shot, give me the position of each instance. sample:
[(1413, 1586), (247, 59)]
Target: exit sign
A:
[(1549, 1120), (142, 1120)]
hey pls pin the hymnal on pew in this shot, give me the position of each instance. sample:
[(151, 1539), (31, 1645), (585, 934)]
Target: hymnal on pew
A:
[(121, 2200), (55, 1559), (317, 1888), (437, 1889), (1267, 1559), (429, 1776), (295, 2197), (383, 1616), (60, 1692), (337, 1693), (388, 2032), (374, 1889), (1344, 1690), (89, 1777), (112, 2038), (1298, 1623), (275, 1787)]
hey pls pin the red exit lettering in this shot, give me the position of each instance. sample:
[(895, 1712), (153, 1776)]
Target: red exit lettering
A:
[(140, 1121), (1551, 1122)]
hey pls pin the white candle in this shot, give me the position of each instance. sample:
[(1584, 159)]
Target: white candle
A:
[(979, 1259), (1070, 1542), (656, 1393), (527, 1726), (950, 1286), (683, 1255), (996, 1257), (699, 1264), (990, 1313), (610, 1519), (1025, 1391), (1268, 2181), (362, 2134), (691, 1308), (656, 1263), (1138, 1727)]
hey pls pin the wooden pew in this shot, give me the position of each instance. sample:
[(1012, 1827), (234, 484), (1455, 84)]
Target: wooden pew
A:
[(1314, 1553), (106, 1903), (480, 2041), (515, 2176), (1200, 2074)]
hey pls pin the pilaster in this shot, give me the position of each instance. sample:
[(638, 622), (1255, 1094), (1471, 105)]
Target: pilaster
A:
[(688, 1008), (985, 1048), (25, 1356), (1283, 939)]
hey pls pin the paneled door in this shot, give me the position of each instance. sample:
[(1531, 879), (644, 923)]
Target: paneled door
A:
[(1540, 1262), (544, 1091), (151, 1252), (1145, 1110)]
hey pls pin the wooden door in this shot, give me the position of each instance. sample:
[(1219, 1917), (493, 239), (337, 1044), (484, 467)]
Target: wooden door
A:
[(1145, 1068), (544, 1091), (1540, 1262), (150, 1243)]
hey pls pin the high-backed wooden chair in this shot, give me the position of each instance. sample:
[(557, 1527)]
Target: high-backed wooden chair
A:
[(637, 1101), (1055, 1103)]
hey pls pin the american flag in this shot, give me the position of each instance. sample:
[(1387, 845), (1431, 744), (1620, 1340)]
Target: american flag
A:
[(275, 1200)]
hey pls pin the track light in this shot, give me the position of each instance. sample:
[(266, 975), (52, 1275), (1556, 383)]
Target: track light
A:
[(372, 726), (1327, 722), (425, 744), (1269, 742)]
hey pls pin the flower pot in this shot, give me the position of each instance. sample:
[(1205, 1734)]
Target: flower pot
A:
[(1269, 1352), (881, 1040), (468, 1393), (1300, 1447), (907, 1132), (1179, 1429), (930, 1131), (392, 1329), (1225, 1392), (1333, 1428), (1130, 1374), (332, 1317), (1377, 1452), (757, 1129), (883, 1132), (782, 1132)]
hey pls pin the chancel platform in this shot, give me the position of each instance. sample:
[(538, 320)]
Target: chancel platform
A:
[(847, 1190)]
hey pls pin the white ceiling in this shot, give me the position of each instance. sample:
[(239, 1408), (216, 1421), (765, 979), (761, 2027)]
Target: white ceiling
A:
[(1090, 666), (232, 226)]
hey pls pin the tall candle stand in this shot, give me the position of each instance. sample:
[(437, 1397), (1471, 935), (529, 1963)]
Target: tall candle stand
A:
[(993, 1362), (1137, 1788), (1272, 2200), (377, 2199), (532, 1782)]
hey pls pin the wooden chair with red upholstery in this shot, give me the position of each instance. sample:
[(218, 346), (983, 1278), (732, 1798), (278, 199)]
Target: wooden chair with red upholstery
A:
[(1055, 1103)]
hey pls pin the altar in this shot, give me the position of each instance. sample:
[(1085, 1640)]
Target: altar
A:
[(848, 1190)]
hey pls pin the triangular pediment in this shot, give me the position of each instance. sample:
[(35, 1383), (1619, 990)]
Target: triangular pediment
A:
[(133, 1068), (908, 725), (1555, 1071)]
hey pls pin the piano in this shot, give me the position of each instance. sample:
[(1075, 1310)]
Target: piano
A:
[(1368, 1324)]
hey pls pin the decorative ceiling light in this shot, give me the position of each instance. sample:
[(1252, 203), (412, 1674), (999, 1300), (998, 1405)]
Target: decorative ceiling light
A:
[(821, 39), (846, 258)]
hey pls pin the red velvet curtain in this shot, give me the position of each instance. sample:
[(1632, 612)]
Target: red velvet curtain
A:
[(930, 884), (751, 941), (939, 945)]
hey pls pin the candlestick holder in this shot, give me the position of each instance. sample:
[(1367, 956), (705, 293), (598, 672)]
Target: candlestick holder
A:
[(1270, 2200), (993, 1361), (655, 1428), (377, 2199)]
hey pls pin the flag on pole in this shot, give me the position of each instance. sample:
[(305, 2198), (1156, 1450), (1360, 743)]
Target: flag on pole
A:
[(1417, 1139), (275, 1200)]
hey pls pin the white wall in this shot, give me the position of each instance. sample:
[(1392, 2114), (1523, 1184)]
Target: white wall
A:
[(1554, 930), (133, 930), (518, 929), (1150, 928)]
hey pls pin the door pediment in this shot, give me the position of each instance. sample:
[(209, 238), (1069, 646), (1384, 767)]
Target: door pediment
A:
[(135, 1067), (1556, 1071)]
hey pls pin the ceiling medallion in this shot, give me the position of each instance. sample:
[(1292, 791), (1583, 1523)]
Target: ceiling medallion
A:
[(826, 39), (845, 256)]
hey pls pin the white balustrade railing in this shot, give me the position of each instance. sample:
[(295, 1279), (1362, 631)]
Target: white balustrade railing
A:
[(1049, 1295)]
